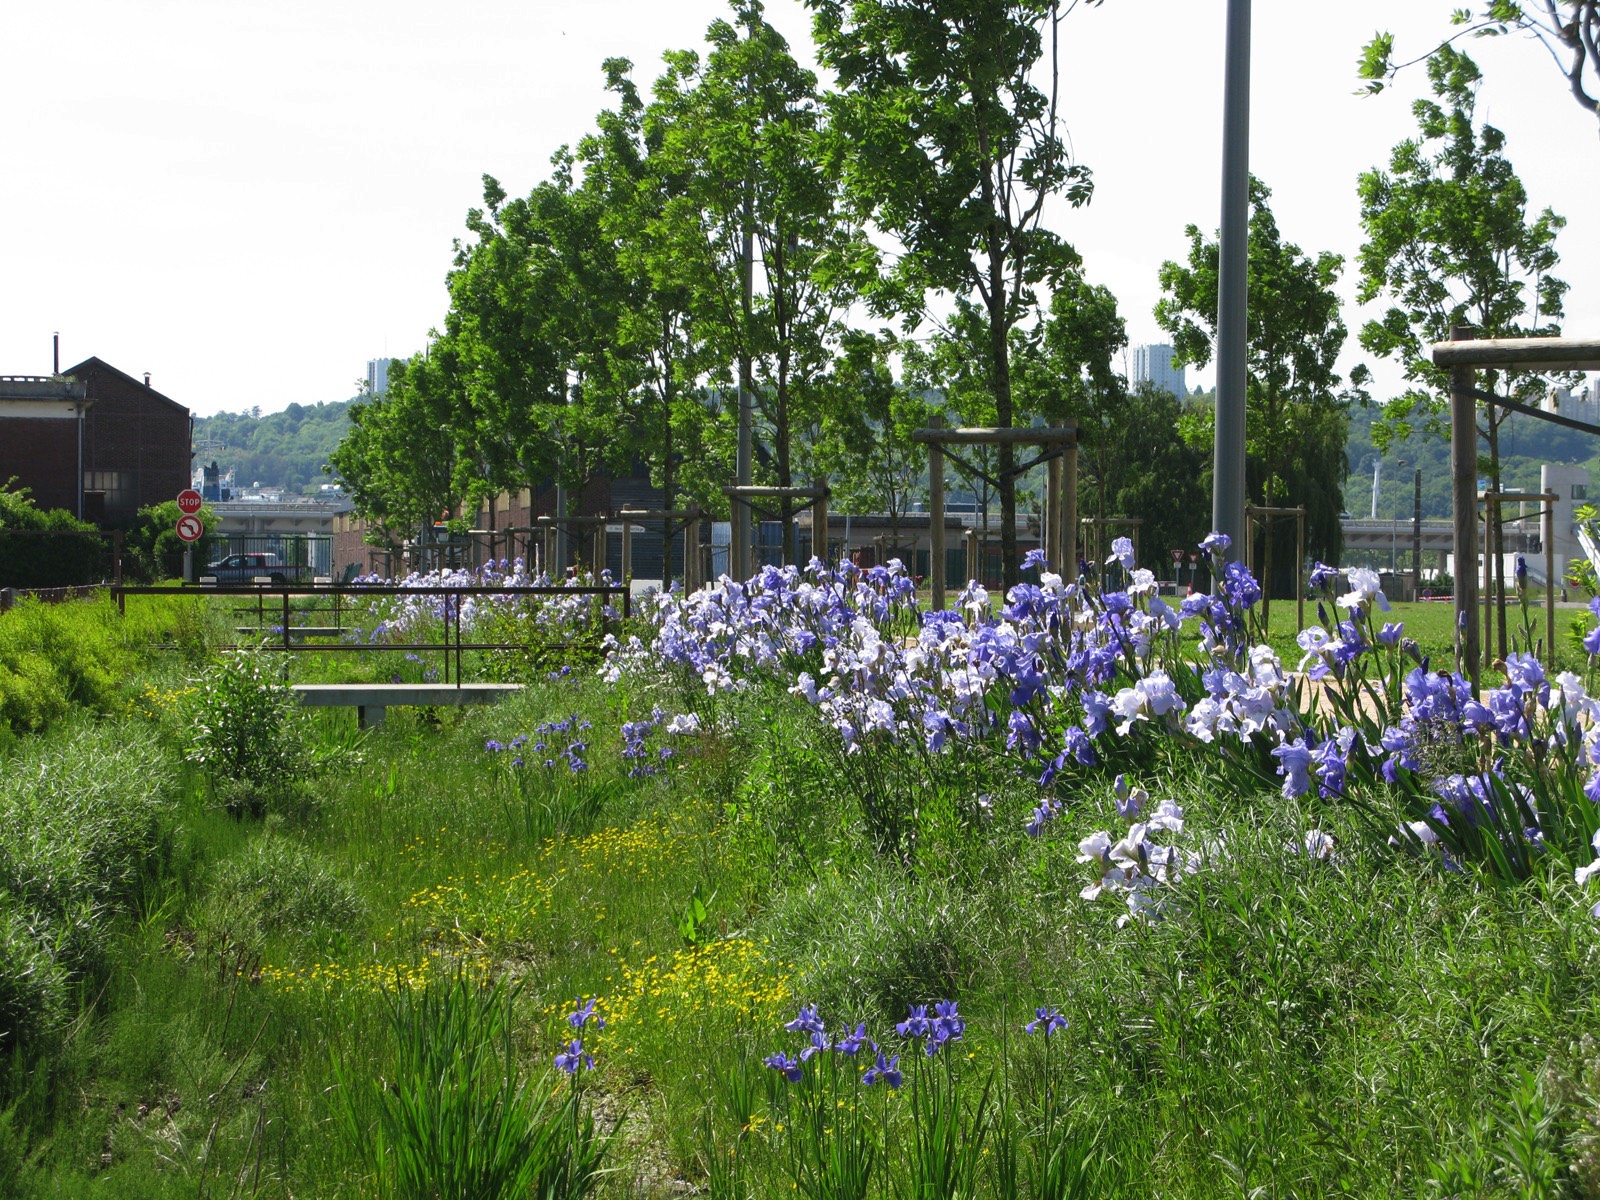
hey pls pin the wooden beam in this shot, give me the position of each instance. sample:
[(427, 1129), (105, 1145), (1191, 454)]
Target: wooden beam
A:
[(1049, 435), (1534, 354)]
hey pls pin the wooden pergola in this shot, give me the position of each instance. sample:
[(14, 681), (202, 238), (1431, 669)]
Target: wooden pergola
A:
[(675, 520), (1465, 355), (1059, 448), (816, 499)]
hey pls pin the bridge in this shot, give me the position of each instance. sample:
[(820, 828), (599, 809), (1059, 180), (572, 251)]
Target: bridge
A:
[(1362, 533)]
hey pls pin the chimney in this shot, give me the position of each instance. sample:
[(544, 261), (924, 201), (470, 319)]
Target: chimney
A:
[(147, 379), (56, 339)]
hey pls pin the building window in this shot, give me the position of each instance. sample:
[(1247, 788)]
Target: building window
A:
[(111, 484), (1580, 491)]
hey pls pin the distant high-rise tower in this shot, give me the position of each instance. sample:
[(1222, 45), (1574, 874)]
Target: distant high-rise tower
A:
[(1153, 364), (377, 376)]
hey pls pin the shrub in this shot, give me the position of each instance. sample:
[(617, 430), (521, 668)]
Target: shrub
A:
[(33, 985)]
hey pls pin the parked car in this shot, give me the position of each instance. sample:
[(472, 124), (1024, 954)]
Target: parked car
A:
[(247, 568)]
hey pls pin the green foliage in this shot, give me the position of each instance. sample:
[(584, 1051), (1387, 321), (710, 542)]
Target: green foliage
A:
[(1450, 243), (289, 448), (1297, 422), (447, 1115), (1568, 29), (247, 733), (153, 550), (73, 556), (398, 459), (945, 139), (85, 822), (278, 885)]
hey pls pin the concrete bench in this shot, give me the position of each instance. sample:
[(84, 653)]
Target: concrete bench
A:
[(371, 699)]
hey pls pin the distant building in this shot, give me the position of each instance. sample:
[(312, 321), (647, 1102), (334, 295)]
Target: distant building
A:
[(1580, 405), (1153, 364), (94, 441), (378, 376)]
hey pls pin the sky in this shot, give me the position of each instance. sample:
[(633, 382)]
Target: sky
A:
[(249, 201)]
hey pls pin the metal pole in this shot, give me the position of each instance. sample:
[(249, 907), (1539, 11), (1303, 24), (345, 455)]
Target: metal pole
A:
[(1547, 533), (936, 518), (1227, 504), (1416, 535), (1464, 505)]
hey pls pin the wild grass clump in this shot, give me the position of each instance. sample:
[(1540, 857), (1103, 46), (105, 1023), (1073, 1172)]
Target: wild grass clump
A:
[(278, 887), (86, 821), (448, 1112)]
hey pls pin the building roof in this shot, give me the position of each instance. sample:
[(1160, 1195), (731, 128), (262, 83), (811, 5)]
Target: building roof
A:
[(94, 366)]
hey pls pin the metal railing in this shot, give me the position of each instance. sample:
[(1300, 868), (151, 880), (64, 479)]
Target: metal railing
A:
[(453, 645)]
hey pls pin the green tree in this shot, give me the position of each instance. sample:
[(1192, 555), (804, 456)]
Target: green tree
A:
[(743, 127), (1294, 336), (48, 548), (1568, 30), (1449, 242), (874, 464), (1082, 337), (947, 137), (398, 461), (660, 350), (1152, 473)]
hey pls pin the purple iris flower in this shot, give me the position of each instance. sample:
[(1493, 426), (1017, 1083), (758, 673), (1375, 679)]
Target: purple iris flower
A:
[(851, 1043), (916, 1023), (884, 1070), (1294, 762), (790, 1067), (1046, 1020), (1322, 574), (1216, 543), (806, 1022), (819, 1044), (572, 1057), (580, 1015)]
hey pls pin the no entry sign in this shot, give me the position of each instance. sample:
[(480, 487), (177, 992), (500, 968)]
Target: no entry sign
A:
[(190, 528), (189, 501)]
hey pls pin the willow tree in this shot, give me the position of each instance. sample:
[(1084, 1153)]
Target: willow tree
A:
[(946, 135)]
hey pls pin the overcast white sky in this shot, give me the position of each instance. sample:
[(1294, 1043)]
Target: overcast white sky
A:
[(251, 200)]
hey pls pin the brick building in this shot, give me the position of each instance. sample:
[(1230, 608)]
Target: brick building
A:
[(131, 441)]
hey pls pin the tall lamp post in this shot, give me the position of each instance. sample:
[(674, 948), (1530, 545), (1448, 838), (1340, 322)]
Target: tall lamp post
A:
[(1227, 502)]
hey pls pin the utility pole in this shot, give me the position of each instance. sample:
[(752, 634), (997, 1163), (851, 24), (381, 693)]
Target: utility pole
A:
[(1227, 503)]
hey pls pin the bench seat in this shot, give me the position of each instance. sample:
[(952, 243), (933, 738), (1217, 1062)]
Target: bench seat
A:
[(371, 699)]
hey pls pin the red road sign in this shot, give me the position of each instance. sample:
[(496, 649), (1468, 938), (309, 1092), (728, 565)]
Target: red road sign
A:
[(1177, 556), (189, 501), (190, 527)]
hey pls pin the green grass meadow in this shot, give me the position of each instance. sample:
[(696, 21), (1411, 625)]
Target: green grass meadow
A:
[(351, 975)]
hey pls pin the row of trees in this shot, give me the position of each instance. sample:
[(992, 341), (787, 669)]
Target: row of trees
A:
[(717, 236)]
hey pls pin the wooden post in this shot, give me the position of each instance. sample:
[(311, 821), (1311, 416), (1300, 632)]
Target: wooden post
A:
[(1490, 549), (1053, 546), (1463, 497), (627, 554), (1300, 568), (936, 517), (1069, 516), (550, 553), (974, 562), (819, 526)]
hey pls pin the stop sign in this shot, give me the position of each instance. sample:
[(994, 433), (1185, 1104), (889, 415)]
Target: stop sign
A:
[(190, 528), (189, 501)]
